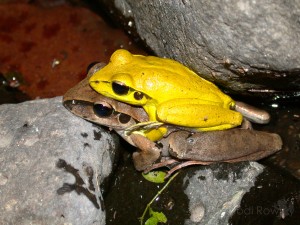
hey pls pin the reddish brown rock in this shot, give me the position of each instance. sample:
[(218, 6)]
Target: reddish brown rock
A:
[(52, 47)]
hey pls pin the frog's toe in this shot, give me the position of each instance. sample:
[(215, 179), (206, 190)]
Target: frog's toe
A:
[(143, 127), (152, 125)]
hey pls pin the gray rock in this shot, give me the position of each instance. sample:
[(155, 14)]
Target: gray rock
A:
[(51, 165), (250, 47), (215, 192)]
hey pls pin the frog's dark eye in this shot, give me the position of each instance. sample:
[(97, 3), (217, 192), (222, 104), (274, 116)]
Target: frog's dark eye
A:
[(120, 88), (94, 67), (103, 109), (124, 118), (138, 95)]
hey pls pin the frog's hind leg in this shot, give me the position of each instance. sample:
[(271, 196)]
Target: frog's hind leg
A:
[(194, 113)]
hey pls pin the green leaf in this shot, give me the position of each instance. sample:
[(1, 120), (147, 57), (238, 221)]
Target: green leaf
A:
[(151, 221), (160, 216), (155, 176)]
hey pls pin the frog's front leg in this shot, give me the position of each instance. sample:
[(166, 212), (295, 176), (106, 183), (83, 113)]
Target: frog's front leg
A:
[(152, 130), (143, 126), (148, 152), (199, 114)]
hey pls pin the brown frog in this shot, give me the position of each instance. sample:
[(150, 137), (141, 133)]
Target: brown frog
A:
[(179, 144)]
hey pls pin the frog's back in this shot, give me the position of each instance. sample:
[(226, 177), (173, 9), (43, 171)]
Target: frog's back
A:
[(174, 80), (159, 78)]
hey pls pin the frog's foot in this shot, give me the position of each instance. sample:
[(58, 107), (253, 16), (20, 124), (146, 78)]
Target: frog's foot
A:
[(143, 127), (148, 152), (143, 160), (246, 124)]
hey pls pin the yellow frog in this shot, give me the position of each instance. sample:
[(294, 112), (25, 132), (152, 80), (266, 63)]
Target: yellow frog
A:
[(168, 91)]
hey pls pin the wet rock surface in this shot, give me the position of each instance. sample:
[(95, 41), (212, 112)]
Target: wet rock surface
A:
[(249, 47), (51, 165), (219, 189), (275, 199), (217, 194)]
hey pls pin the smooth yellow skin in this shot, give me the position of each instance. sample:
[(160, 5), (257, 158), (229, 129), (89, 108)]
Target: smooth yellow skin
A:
[(171, 93)]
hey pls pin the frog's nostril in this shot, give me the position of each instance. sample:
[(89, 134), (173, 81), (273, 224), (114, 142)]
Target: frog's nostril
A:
[(120, 88), (103, 109)]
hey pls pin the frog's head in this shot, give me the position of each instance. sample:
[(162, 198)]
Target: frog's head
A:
[(116, 81), (119, 88)]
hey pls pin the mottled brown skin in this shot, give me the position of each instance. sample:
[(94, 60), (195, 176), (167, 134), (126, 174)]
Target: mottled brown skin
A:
[(225, 146)]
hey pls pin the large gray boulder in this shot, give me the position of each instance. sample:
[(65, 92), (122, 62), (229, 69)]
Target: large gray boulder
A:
[(249, 47), (213, 199), (51, 165)]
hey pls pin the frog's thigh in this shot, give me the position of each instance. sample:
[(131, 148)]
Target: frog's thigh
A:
[(193, 113)]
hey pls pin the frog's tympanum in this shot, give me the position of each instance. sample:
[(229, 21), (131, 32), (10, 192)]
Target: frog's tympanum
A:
[(168, 91), (231, 145)]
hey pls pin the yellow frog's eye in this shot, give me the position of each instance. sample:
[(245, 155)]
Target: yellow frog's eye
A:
[(94, 67), (138, 95), (103, 109), (120, 88)]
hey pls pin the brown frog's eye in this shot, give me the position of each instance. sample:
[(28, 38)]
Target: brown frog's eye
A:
[(120, 88), (94, 67), (103, 109)]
